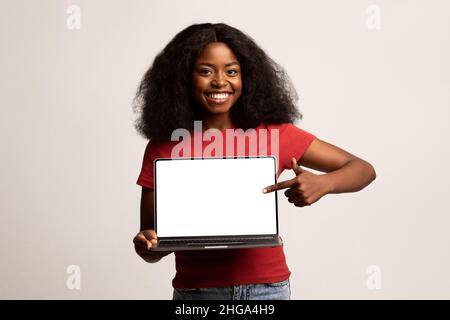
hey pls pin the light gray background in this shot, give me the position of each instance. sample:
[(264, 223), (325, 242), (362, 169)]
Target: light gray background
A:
[(70, 156)]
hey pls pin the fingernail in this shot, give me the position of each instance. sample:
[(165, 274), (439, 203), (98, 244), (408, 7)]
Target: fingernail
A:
[(264, 190)]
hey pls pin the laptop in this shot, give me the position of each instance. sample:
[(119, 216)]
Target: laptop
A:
[(215, 203)]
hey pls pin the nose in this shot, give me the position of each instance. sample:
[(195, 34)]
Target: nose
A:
[(219, 81)]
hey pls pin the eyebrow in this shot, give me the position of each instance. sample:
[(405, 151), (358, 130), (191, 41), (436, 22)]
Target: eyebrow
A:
[(227, 65)]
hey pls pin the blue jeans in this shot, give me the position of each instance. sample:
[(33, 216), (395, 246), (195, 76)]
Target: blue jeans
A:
[(261, 291)]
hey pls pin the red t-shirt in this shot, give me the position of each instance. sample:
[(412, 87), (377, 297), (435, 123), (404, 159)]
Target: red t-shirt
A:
[(220, 268)]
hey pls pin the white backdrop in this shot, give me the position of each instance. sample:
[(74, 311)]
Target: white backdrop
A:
[(373, 78)]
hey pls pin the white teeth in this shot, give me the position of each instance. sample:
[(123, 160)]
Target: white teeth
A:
[(219, 96)]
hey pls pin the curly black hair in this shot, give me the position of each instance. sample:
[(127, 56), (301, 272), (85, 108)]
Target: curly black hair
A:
[(164, 100)]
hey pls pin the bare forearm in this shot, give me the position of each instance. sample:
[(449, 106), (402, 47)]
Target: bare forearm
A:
[(352, 177)]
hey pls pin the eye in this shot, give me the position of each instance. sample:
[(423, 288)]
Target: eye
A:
[(202, 71), (235, 72)]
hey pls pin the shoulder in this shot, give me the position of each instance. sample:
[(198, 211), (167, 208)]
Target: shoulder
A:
[(158, 147), (272, 126), (289, 129)]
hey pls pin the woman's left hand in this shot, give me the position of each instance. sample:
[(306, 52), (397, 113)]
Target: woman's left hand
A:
[(305, 189)]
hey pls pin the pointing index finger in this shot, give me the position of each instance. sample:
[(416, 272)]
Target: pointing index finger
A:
[(280, 185)]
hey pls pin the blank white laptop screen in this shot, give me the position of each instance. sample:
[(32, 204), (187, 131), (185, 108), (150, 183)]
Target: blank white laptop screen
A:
[(215, 197)]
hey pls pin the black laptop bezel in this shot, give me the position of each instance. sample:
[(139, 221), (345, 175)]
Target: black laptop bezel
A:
[(275, 194)]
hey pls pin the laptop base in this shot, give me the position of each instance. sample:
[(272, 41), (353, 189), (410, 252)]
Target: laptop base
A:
[(162, 245)]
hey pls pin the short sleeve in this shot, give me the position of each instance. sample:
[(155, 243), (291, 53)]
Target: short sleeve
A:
[(293, 143), (145, 178)]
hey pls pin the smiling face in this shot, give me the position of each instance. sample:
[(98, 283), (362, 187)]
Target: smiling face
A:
[(216, 79)]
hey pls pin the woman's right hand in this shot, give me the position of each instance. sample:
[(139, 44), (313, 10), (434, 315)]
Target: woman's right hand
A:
[(144, 241)]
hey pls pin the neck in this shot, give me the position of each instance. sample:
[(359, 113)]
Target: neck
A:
[(219, 121)]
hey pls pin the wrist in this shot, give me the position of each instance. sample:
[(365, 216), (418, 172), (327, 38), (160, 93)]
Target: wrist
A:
[(329, 183)]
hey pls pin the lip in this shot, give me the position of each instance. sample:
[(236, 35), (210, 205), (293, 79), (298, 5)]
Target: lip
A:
[(219, 92), (214, 101)]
